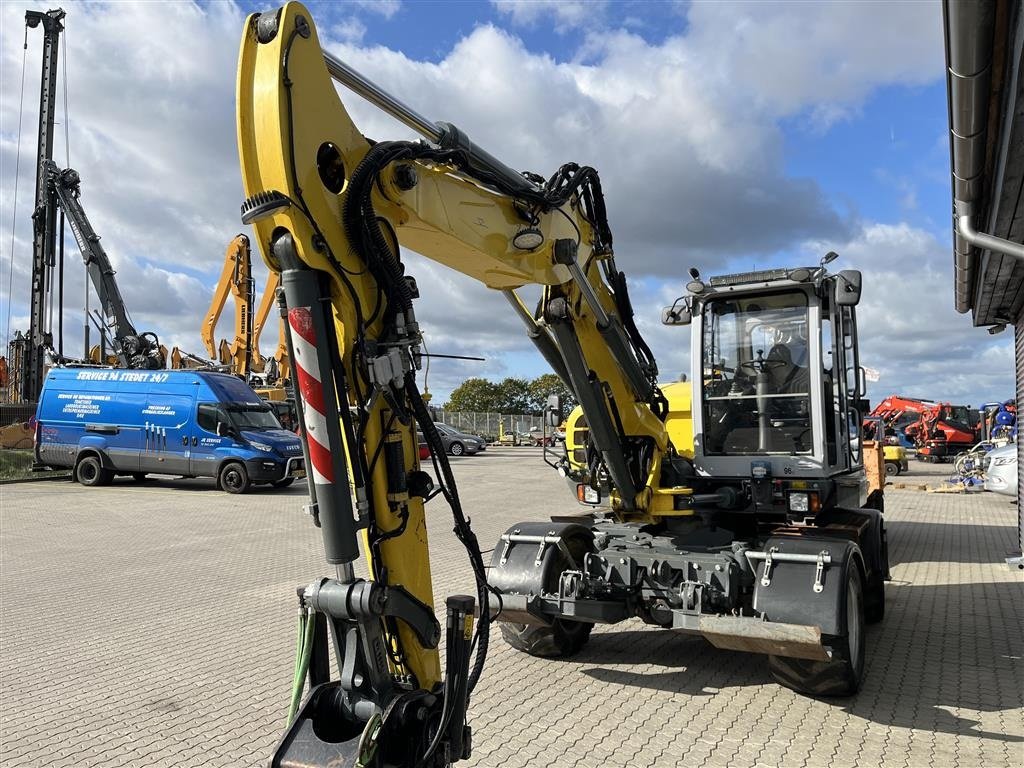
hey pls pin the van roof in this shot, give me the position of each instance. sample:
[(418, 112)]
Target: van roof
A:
[(225, 386)]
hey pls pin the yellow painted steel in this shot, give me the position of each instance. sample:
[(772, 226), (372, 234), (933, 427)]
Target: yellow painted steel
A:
[(446, 217), (280, 353), (234, 281), (657, 501)]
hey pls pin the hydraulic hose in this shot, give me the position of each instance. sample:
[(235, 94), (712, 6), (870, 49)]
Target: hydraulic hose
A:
[(303, 653)]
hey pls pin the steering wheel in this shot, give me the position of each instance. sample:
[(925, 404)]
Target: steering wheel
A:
[(762, 364)]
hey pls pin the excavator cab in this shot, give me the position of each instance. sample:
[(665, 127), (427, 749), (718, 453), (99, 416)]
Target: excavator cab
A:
[(777, 381)]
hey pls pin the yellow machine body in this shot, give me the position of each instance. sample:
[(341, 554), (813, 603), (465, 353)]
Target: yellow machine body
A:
[(446, 217)]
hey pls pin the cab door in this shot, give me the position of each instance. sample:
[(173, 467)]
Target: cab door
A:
[(207, 447)]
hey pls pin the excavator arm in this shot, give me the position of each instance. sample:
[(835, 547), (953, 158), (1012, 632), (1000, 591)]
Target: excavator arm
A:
[(331, 211), (236, 281), (133, 350), (280, 356)]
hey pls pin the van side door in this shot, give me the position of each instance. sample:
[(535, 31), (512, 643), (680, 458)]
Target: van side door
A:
[(166, 429)]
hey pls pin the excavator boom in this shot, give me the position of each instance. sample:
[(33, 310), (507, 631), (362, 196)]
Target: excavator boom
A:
[(332, 211)]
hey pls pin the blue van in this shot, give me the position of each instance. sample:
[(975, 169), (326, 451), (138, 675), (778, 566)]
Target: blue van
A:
[(104, 422)]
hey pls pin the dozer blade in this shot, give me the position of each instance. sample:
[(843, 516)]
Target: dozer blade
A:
[(736, 633)]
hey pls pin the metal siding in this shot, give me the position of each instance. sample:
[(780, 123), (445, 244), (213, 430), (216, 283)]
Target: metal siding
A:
[(1019, 358)]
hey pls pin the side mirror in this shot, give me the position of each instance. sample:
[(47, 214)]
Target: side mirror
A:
[(676, 315), (553, 411), (848, 287)]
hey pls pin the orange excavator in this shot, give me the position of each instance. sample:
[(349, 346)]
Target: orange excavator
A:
[(235, 280), (242, 354), (276, 368), (937, 429)]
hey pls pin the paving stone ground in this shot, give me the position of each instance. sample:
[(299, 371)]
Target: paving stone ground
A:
[(153, 625)]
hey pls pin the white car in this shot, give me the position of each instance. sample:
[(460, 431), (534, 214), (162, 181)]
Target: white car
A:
[(1001, 470)]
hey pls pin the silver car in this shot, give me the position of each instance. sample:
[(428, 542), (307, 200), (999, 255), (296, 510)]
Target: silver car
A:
[(1001, 470), (459, 443)]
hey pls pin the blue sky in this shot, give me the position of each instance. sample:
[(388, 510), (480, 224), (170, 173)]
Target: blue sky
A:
[(726, 135)]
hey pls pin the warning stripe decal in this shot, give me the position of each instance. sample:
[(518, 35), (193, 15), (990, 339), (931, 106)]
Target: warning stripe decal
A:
[(300, 319)]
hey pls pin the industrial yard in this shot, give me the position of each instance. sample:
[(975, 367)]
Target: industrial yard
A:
[(154, 625)]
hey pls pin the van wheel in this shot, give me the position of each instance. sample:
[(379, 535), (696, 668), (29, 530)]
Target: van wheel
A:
[(843, 673), (90, 471), (283, 483), (234, 478)]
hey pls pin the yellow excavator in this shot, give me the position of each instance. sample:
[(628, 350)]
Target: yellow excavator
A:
[(737, 507), (276, 370), (235, 281), (242, 355)]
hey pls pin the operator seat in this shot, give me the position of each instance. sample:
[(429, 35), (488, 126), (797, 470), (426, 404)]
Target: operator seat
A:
[(787, 377)]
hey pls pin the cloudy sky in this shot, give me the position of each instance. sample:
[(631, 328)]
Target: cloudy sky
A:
[(728, 136)]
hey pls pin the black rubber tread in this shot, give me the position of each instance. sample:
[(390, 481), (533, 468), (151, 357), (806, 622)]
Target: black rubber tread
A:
[(563, 638), (90, 472), (874, 599), (234, 466), (892, 469), (842, 675), (283, 483)]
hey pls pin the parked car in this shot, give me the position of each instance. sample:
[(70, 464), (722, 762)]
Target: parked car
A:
[(1001, 470), (424, 447), (459, 443), (537, 437), (107, 422)]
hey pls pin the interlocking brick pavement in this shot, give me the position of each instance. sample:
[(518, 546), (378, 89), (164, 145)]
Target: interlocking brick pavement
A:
[(153, 625)]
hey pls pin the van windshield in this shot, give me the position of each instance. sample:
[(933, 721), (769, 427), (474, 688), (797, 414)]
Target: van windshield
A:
[(252, 416)]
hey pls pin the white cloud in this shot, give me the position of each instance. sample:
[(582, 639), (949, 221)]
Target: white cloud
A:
[(385, 8), (909, 330), (565, 14), (685, 133), (351, 30)]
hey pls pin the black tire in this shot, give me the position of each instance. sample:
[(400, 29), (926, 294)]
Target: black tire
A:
[(874, 600), (843, 673), (91, 472), (234, 478), (283, 483), (564, 637), (892, 469), (138, 477), (456, 448)]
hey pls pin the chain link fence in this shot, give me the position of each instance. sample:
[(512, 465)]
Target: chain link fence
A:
[(487, 424)]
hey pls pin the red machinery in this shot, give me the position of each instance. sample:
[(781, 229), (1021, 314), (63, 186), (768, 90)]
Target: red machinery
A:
[(944, 431), (937, 429)]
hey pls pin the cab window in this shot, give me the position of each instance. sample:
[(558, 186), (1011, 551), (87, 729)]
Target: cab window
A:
[(208, 416)]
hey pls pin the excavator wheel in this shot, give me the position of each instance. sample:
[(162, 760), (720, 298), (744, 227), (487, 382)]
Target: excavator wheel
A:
[(562, 638), (843, 673)]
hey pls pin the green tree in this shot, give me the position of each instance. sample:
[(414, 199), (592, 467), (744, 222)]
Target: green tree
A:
[(474, 394), (546, 385), (513, 395)]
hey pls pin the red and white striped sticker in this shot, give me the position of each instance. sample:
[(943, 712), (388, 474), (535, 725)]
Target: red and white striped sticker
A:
[(313, 410)]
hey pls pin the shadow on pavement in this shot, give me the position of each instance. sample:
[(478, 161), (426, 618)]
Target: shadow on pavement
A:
[(940, 648), (949, 542)]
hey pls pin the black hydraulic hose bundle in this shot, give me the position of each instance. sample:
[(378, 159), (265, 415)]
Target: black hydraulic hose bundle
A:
[(364, 232)]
